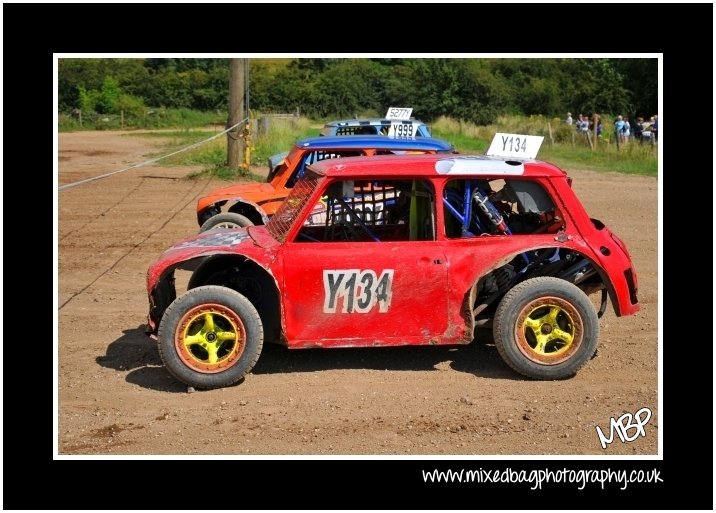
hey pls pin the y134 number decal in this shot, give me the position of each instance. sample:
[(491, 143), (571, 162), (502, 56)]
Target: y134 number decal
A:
[(360, 291)]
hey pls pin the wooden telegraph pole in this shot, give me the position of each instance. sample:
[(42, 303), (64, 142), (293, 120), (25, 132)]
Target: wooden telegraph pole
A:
[(237, 88)]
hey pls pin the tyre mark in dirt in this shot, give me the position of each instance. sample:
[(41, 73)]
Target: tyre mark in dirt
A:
[(118, 202), (184, 205)]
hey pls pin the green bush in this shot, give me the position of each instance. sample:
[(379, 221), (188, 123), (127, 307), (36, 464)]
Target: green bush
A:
[(566, 147), (138, 116), (280, 137)]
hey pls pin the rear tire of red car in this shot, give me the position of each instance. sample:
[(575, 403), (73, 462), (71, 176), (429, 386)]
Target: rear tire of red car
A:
[(210, 337), (226, 220), (546, 328)]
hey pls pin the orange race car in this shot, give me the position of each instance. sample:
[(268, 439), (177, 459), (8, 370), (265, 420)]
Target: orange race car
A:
[(254, 203)]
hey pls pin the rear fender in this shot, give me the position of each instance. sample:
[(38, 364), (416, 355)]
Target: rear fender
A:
[(239, 205), (252, 210)]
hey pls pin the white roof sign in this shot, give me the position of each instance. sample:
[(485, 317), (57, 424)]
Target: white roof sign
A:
[(398, 113), (515, 146)]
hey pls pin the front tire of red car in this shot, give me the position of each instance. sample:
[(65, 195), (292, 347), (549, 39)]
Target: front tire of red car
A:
[(228, 220), (546, 328), (210, 337)]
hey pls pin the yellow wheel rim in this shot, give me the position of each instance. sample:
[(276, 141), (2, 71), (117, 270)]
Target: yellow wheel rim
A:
[(210, 338), (549, 330)]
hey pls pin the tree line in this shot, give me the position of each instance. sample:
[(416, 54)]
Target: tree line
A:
[(471, 89)]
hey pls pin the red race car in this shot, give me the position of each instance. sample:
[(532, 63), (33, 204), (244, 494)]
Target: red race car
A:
[(408, 250)]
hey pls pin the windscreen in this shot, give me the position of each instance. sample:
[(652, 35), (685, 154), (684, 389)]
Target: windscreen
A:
[(281, 222)]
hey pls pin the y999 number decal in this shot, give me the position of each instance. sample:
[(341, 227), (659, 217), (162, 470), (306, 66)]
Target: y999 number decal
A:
[(405, 130)]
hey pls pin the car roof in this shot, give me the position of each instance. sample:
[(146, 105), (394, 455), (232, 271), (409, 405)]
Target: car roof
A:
[(375, 141), (434, 165), (370, 121)]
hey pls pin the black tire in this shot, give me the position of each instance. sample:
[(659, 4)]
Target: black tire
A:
[(226, 220), (191, 332), (546, 328)]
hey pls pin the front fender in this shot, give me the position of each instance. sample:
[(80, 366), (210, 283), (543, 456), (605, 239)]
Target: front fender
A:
[(188, 255), (182, 254)]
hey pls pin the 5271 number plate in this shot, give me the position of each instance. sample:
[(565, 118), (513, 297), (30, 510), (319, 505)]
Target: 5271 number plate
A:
[(398, 113)]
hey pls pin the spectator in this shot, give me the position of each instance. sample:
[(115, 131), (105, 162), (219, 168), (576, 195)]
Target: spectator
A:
[(599, 125), (637, 128), (655, 127), (583, 123), (619, 128), (626, 129), (569, 118)]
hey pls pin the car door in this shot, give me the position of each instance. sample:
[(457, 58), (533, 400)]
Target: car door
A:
[(346, 293)]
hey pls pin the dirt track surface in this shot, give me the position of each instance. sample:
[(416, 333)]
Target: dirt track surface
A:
[(116, 398)]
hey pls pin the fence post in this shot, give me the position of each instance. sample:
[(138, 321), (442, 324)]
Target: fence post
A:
[(595, 122), (263, 128)]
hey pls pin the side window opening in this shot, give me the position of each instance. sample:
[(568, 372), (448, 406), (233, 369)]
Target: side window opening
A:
[(477, 207), (372, 211), (317, 156), (357, 130)]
